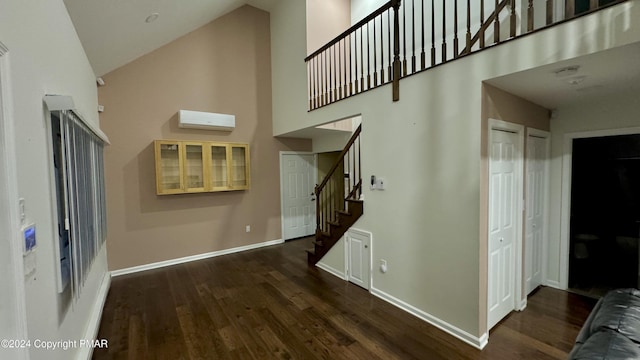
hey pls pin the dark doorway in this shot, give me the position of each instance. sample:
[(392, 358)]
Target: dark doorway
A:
[(605, 213)]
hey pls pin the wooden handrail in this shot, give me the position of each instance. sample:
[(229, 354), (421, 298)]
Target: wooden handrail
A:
[(328, 204), (485, 26), (341, 157), (358, 25)]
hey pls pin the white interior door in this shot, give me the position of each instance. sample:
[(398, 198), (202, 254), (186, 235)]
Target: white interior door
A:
[(535, 211), (298, 174), (503, 193), (359, 249)]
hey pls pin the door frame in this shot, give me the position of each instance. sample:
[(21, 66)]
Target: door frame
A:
[(565, 191), (9, 186), (545, 233), (315, 177), (520, 300)]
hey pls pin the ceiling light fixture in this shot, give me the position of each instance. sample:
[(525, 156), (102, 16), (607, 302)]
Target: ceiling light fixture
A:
[(151, 18), (567, 71)]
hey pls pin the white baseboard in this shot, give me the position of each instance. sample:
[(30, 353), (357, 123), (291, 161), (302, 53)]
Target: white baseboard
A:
[(182, 260), (554, 284), (333, 271), (477, 342), (91, 332), (522, 305)]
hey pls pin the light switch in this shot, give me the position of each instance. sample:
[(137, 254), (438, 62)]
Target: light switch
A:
[(23, 215)]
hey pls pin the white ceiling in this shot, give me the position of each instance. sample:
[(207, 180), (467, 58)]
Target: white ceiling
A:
[(114, 32), (603, 73)]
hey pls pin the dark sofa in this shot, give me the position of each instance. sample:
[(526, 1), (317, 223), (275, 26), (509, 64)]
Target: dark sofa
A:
[(612, 330)]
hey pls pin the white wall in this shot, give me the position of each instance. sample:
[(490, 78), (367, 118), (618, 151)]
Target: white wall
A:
[(46, 57), (12, 312), (427, 146), (613, 112)]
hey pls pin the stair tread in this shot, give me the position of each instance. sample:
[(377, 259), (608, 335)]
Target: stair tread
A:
[(343, 212), (334, 223), (355, 201)]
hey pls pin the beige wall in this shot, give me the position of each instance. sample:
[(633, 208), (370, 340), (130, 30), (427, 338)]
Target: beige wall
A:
[(222, 67), (326, 19), (500, 105)]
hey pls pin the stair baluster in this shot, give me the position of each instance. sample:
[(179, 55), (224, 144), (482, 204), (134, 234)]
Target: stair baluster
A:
[(338, 203)]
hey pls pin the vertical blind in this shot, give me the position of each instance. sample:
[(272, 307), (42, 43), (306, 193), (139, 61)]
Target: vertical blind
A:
[(79, 163)]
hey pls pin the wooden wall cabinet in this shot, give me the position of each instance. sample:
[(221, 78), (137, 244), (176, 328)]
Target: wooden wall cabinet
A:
[(200, 166)]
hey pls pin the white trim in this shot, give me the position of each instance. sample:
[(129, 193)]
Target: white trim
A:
[(315, 177), (522, 305), (553, 284), (495, 124), (64, 102), (477, 342), (91, 332), (186, 259), (8, 152), (333, 271), (547, 191), (565, 195)]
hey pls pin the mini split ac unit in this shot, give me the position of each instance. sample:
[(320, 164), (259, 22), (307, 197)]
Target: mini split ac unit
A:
[(207, 121)]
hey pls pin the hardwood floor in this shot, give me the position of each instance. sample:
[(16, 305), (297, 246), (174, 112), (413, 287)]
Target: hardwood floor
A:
[(267, 304)]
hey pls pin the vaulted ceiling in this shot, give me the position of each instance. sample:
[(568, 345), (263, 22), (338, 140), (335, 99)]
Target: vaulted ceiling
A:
[(115, 32)]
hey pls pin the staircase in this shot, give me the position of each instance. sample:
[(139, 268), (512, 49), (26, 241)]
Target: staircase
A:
[(338, 204)]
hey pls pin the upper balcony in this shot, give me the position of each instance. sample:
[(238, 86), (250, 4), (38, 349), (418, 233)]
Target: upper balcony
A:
[(402, 38)]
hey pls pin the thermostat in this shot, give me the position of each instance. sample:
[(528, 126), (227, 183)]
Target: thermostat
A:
[(29, 237)]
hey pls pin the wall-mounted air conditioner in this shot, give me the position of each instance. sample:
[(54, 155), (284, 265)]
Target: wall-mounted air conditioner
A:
[(205, 120)]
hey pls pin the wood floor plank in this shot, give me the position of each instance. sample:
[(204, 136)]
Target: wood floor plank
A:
[(268, 304)]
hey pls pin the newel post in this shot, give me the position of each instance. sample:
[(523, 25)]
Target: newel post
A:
[(396, 49)]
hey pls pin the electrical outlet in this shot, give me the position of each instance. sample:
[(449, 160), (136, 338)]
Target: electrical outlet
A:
[(247, 228), (383, 265)]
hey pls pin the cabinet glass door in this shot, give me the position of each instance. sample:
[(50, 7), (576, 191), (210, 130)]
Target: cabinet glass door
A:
[(218, 172), (193, 167), (239, 167), (168, 168)]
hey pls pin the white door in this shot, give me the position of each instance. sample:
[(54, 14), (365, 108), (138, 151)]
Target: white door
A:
[(298, 175), (535, 210), (359, 249), (503, 193)]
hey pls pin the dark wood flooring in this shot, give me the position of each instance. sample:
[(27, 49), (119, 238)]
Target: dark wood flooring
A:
[(267, 304)]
